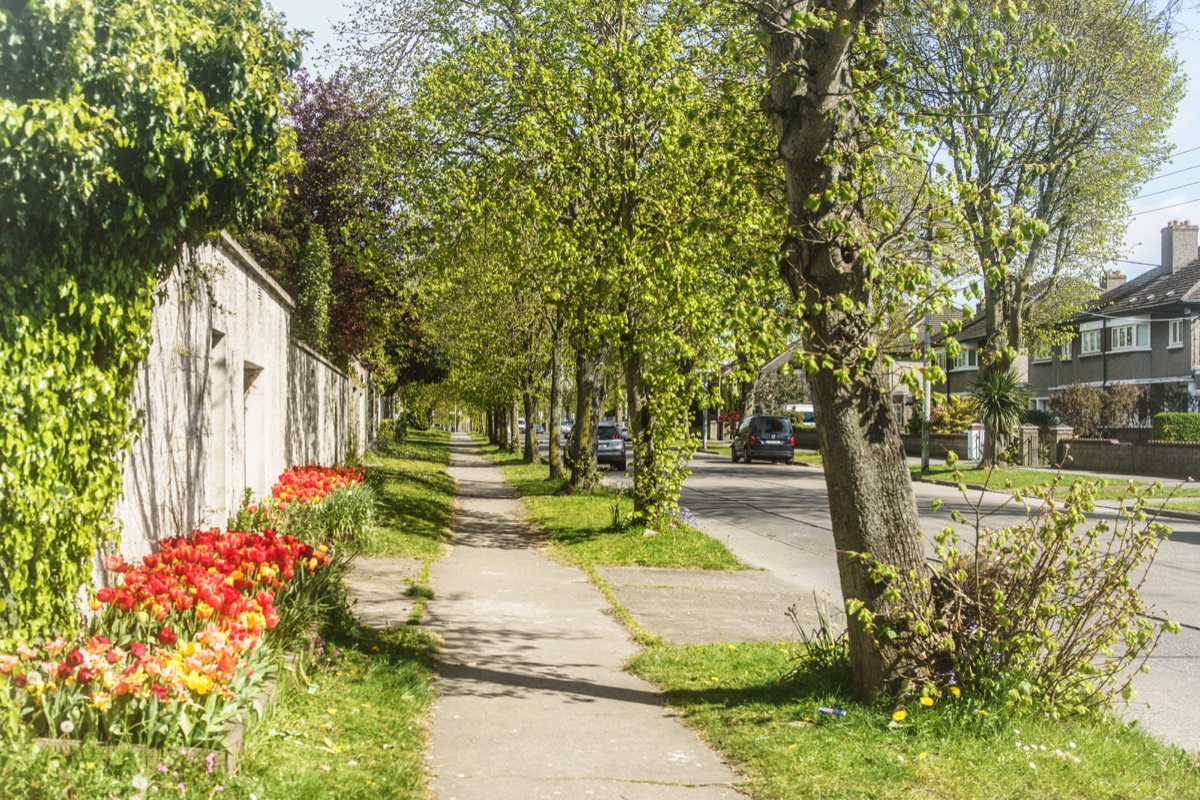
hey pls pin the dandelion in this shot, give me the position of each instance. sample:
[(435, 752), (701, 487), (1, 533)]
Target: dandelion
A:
[(140, 782), (983, 712), (954, 690), (900, 715), (927, 701), (67, 727)]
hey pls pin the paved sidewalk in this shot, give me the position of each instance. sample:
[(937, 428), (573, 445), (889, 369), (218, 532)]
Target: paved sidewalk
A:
[(532, 699)]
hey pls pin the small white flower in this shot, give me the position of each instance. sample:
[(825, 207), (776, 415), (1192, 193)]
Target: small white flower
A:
[(141, 782), (67, 726), (1025, 748), (1041, 747), (1018, 744), (900, 757), (33, 677), (1032, 765), (1071, 745)]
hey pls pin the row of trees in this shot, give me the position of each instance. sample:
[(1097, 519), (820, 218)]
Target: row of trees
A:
[(621, 184)]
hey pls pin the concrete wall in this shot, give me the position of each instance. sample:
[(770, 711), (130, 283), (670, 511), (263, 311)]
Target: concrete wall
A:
[(1154, 459), (228, 400)]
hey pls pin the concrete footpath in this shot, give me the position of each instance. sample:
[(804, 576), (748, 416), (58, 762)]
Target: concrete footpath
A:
[(532, 699)]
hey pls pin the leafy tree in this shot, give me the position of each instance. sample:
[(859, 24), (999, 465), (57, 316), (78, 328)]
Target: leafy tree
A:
[(312, 276), (1051, 115), (120, 148)]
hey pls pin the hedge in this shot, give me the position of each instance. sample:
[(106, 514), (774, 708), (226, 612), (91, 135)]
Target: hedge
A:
[(1176, 427)]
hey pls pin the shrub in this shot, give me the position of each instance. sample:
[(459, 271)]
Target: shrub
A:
[(1176, 427), (1093, 411), (1043, 614), (1000, 402), (954, 417)]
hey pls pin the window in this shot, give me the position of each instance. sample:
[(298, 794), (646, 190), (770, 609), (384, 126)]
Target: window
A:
[(1089, 342), (1176, 337), (1042, 353), (966, 359), (1064, 354), (1131, 337)]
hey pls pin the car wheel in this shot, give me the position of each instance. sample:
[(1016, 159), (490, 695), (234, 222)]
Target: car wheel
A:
[(621, 466)]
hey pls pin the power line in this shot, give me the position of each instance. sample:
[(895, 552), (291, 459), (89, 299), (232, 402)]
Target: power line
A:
[(1167, 191), (1176, 172), (1164, 208), (1184, 152), (1138, 263)]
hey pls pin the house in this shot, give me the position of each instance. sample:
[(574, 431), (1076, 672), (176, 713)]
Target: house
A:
[(1141, 331)]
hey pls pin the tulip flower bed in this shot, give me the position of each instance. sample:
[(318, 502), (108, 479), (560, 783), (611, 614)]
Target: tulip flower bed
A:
[(176, 650)]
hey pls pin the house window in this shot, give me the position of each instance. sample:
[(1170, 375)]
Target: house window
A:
[(1089, 342), (1131, 337), (1176, 337), (966, 359), (1042, 353), (1064, 353)]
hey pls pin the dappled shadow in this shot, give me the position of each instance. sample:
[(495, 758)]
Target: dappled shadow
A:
[(483, 529)]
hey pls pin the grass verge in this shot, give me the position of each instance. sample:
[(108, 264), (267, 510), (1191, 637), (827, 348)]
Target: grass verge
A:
[(772, 732), (589, 528), (1017, 478), (416, 497), (354, 726)]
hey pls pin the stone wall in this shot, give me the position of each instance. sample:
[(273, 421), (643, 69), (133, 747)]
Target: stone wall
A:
[(1174, 460), (228, 401)]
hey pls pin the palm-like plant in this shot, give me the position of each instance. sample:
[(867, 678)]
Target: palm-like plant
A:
[(1000, 401)]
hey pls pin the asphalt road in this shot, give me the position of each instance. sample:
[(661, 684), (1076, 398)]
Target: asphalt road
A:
[(777, 517)]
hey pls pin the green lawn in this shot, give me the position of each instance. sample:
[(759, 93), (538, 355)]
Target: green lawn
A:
[(580, 527), (416, 497), (1018, 478), (769, 728)]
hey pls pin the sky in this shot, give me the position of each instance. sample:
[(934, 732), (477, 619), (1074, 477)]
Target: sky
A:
[(1173, 194)]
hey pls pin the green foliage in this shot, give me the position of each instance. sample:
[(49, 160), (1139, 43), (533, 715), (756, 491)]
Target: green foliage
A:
[(1000, 402), (954, 417), (345, 516), (1176, 427), (117, 148), (1046, 615), (313, 275)]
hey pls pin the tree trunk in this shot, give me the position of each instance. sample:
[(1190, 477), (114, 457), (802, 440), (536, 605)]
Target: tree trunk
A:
[(530, 452), (589, 389), (514, 429), (641, 440), (872, 507), (556, 403)]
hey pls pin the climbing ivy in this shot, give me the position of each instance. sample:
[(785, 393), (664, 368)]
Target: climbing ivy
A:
[(128, 129)]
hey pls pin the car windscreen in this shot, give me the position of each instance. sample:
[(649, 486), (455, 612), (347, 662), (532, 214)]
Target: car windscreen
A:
[(607, 432), (774, 425)]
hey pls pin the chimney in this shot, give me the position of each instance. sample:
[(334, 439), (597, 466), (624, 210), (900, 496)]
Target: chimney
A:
[(1179, 245), (1112, 280)]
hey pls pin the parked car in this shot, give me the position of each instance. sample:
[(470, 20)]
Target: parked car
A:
[(610, 447), (565, 427), (764, 437), (521, 425)]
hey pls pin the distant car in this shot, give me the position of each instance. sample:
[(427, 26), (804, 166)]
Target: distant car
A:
[(565, 427), (521, 425), (623, 427), (766, 438)]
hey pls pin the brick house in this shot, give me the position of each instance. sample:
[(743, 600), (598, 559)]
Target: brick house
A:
[(1142, 331)]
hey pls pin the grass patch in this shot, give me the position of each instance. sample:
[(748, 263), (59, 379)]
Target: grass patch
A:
[(772, 732), (416, 497), (581, 531), (355, 726), (1018, 478)]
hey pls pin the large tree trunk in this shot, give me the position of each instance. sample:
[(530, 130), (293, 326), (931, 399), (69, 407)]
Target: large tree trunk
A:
[(641, 440), (872, 506), (556, 402), (514, 429)]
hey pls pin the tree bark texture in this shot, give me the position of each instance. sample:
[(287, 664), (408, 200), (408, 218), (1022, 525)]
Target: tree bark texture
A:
[(556, 403), (530, 454), (589, 387), (871, 500), (644, 453)]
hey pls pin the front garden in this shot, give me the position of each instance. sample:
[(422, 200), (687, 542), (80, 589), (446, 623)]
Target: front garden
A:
[(166, 687)]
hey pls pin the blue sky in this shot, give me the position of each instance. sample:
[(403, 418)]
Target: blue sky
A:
[(1165, 198)]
